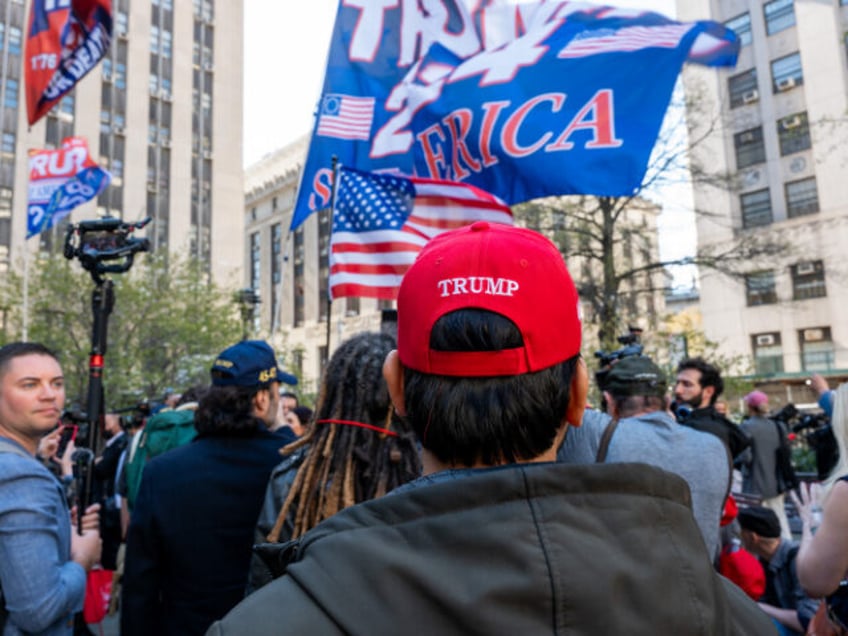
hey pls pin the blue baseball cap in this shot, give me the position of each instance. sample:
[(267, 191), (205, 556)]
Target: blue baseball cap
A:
[(248, 363)]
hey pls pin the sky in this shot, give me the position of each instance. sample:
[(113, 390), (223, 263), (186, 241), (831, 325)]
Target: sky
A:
[(285, 51)]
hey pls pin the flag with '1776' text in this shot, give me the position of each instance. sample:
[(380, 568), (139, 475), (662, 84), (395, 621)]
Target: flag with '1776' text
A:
[(65, 40), (521, 99), (381, 222)]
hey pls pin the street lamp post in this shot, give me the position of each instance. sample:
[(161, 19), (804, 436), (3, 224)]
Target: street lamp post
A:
[(247, 300)]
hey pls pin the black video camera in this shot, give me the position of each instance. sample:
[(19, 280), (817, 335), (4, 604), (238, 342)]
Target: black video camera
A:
[(100, 241), (631, 347)]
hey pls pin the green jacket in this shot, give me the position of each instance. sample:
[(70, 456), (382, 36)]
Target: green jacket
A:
[(524, 549)]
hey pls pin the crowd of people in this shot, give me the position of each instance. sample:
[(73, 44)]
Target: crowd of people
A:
[(451, 480)]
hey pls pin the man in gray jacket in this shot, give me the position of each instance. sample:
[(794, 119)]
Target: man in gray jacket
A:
[(642, 430), (759, 461), (496, 537)]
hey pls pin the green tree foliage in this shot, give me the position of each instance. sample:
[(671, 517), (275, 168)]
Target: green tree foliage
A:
[(168, 323)]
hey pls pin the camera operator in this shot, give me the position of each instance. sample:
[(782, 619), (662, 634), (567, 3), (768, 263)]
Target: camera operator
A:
[(696, 390)]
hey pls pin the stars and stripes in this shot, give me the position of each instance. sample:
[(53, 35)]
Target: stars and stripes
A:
[(633, 38), (381, 222), (346, 117)]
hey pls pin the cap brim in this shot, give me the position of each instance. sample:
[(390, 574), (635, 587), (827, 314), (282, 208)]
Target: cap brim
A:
[(286, 378)]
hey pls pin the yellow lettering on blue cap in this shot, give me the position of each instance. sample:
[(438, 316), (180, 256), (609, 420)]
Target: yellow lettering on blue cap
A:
[(267, 376)]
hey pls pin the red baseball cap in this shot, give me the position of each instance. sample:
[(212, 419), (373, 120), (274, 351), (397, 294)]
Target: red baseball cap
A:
[(508, 270)]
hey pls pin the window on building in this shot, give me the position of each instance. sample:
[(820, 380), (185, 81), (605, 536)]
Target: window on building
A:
[(817, 351), (801, 197), (276, 270), (743, 88), (299, 252), (15, 39), (742, 26), (808, 280), (10, 96), (749, 146), (786, 73), (324, 226), (352, 306), (756, 208), (255, 261), (760, 288), (768, 353), (794, 133), (8, 143), (779, 14)]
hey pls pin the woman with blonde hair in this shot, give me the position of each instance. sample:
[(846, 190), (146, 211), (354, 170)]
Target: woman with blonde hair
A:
[(823, 558)]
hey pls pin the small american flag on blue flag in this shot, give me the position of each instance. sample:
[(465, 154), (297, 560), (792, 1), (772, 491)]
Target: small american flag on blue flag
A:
[(346, 117), (381, 222), (633, 38)]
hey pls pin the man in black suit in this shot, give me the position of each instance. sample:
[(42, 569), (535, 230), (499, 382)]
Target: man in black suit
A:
[(105, 472), (191, 531)]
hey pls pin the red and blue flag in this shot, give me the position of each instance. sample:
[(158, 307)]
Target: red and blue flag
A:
[(59, 181), (65, 40)]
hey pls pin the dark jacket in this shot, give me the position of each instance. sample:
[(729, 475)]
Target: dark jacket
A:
[(523, 549), (709, 420), (782, 586), (282, 479), (191, 532)]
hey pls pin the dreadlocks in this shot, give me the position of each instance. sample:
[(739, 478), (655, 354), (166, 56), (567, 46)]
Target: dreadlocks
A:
[(347, 460)]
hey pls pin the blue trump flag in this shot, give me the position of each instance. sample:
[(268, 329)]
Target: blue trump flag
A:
[(522, 100)]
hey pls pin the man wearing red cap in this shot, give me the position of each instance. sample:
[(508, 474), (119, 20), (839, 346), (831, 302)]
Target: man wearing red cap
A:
[(758, 462), (496, 537)]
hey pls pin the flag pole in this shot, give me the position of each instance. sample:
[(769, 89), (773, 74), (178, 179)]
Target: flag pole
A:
[(329, 294), (25, 294)]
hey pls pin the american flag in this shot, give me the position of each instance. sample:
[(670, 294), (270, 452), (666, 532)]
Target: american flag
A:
[(346, 117), (381, 222), (627, 39)]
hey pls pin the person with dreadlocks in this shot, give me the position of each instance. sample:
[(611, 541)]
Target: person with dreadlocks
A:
[(357, 449), (496, 537)]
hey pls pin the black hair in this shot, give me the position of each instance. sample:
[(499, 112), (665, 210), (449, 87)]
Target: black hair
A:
[(489, 420), (627, 405), (289, 394), (227, 409), (344, 464), (17, 349), (193, 394), (710, 375)]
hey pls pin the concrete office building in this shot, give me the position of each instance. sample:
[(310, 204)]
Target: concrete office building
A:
[(784, 134), (162, 112)]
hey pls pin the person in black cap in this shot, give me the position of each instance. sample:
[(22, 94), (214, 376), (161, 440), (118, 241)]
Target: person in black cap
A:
[(642, 430), (784, 600), (191, 531)]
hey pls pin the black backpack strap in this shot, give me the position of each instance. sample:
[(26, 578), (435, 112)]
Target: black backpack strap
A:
[(606, 438)]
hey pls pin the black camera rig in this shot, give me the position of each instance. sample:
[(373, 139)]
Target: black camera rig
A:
[(100, 241), (102, 246)]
